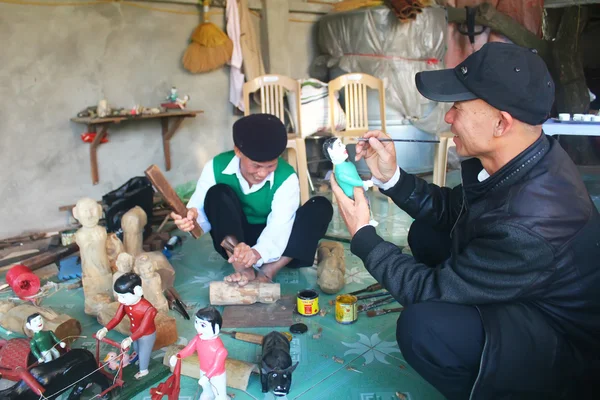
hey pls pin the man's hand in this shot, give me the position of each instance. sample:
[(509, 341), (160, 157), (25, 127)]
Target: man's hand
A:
[(62, 344), (185, 224), (354, 213), (126, 343), (101, 333), (41, 360), (244, 256), (379, 156)]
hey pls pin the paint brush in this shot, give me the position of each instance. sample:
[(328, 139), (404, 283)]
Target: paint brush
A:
[(375, 313), (401, 140), (371, 288), (364, 297), (368, 306)]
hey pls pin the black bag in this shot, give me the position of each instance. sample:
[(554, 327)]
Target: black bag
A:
[(137, 191)]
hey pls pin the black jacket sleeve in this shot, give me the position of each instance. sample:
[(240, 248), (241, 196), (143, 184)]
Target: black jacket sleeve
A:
[(437, 206), (493, 268)]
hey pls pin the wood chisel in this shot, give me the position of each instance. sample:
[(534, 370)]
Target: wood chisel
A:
[(245, 337)]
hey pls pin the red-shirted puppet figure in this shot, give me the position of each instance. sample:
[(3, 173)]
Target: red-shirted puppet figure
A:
[(141, 315), (211, 354)]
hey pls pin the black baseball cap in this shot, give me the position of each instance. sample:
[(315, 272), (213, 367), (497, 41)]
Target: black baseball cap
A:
[(510, 78)]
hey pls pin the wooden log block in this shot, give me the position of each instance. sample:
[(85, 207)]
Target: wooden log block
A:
[(225, 293), (161, 184), (166, 326), (13, 318), (238, 372)]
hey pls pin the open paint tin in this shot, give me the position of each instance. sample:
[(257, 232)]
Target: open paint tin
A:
[(346, 309), (307, 302)]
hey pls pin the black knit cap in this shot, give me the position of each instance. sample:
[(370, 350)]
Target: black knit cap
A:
[(260, 137)]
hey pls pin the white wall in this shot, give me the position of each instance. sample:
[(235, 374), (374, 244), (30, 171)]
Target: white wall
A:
[(57, 60)]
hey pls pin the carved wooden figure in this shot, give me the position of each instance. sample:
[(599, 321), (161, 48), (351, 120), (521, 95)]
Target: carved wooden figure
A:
[(114, 247), (331, 268), (133, 223), (151, 283), (91, 239)]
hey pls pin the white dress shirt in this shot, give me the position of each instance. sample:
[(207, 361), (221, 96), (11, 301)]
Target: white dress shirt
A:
[(274, 238)]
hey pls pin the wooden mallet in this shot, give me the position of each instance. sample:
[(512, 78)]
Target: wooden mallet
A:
[(161, 184)]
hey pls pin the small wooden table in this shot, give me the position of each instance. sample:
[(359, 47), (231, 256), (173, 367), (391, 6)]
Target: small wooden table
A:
[(170, 122)]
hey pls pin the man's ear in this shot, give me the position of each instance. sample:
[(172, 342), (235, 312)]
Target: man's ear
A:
[(138, 291), (75, 213), (504, 124)]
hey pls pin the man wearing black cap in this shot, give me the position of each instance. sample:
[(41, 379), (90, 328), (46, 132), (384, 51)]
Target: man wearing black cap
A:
[(248, 200), (501, 295)]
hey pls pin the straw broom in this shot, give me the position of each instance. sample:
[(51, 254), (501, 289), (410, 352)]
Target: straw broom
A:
[(210, 48)]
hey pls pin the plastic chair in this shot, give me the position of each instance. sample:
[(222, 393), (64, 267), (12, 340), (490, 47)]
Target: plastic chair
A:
[(355, 104), (440, 163), (272, 90)]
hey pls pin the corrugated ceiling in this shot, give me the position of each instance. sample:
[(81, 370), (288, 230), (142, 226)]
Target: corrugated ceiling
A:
[(567, 3)]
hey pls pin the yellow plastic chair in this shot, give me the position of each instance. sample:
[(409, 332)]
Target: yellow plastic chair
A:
[(272, 90), (440, 162), (355, 104)]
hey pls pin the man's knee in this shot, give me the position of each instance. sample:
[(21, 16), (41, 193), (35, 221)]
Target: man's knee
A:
[(319, 207), (219, 192), (411, 332)]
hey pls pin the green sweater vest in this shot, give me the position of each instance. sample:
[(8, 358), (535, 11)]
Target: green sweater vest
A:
[(257, 205)]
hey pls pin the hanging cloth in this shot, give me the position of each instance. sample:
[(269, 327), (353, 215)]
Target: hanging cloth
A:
[(236, 77)]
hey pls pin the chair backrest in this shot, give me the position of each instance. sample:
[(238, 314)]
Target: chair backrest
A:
[(272, 91), (355, 102)]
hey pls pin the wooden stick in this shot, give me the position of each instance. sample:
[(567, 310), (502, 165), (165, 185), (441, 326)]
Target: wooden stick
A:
[(47, 257), (401, 140), (164, 188)]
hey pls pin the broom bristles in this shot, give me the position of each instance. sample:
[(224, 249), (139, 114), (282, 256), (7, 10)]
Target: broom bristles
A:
[(208, 34), (198, 59)]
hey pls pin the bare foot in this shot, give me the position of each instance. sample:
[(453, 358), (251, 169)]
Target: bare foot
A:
[(248, 275), (241, 277)]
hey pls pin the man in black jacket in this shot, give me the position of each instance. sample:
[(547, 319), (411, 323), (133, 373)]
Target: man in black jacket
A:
[(502, 293)]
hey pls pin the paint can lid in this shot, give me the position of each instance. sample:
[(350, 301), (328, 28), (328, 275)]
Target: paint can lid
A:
[(298, 328)]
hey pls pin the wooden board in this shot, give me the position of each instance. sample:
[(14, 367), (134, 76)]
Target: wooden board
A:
[(118, 118), (257, 315)]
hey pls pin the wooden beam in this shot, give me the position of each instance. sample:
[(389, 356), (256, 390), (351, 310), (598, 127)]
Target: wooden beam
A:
[(296, 6), (488, 16), (275, 17)]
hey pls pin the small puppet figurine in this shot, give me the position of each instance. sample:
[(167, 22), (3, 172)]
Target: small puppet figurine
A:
[(172, 97), (345, 172), (43, 342), (182, 102), (211, 354), (114, 363), (141, 314)]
